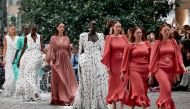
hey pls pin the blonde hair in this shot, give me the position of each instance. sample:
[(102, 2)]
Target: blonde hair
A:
[(11, 25)]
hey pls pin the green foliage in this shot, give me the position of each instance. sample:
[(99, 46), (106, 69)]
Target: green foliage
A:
[(12, 19), (76, 14)]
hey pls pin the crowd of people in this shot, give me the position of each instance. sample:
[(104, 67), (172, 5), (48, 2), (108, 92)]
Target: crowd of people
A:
[(105, 68)]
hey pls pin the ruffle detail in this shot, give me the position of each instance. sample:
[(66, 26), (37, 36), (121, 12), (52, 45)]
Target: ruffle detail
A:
[(124, 96), (136, 100), (165, 103), (113, 98)]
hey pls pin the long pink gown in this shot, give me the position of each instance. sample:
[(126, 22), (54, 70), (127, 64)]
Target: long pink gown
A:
[(112, 58), (135, 68), (165, 62), (63, 81)]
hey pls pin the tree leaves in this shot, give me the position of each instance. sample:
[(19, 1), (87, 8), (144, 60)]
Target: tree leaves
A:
[(76, 14)]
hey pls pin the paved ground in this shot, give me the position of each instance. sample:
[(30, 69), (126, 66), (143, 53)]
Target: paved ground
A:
[(182, 100)]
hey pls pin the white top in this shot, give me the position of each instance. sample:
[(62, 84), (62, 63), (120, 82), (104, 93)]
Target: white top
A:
[(33, 45), (11, 48)]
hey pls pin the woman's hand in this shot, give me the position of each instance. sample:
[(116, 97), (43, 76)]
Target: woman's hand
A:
[(108, 70), (188, 56), (122, 76), (150, 79), (186, 70), (18, 65), (13, 61), (51, 63)]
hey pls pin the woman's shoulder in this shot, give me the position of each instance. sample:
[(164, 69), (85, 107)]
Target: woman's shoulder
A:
[(83, 34), (6, 36), (17, 36), (52, 37), (67, 37), (108, 37)]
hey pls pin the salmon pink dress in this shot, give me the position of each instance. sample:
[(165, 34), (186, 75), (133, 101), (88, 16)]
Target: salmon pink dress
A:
[(112, 58), (63, 81), (135, 68), (165, 62)]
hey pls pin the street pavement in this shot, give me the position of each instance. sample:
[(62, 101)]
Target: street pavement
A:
[(182, 101)]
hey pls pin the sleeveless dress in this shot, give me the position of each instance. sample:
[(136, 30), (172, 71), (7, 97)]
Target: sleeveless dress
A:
[(30, 64), (92, 89), (9, 85)]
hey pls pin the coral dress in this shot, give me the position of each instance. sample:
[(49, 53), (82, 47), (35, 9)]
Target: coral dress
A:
[(135, 66), (63, 81), (112, 58), (165, 62)]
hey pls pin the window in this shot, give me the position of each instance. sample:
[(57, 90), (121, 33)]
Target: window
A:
[(12, 2)]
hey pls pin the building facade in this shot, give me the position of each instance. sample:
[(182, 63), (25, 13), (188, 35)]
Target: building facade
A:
[(182, 13), (3, 16), (12, 11)]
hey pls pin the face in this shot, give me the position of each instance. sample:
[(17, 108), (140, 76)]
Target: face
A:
[(129, 33), (61, 28), (117, 28), (138, 34), (93, 26), (166, 32), (26, 30), (12, 30), (33, 30), (75, 50)]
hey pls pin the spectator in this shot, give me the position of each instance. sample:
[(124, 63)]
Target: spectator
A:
[(151, 38), (129, 33), (109, 24), (74, 60), (2, 71)]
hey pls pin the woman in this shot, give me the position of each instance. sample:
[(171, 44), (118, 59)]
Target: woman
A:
[(19, 46), (30, 63), (63, 82), (129, 33), (165, 62), (9, 51), (112, 58), (92, 73), (135, 68)]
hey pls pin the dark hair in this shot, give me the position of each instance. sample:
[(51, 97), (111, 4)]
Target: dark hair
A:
[(133, 32), (109, 23), (161, 27), (175, 34), (33, 25), (57, 32), (75, 46), (186, 27), (113, 24), (130, 29)]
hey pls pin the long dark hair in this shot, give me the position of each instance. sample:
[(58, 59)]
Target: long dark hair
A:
[(57, 32), (133, 32), (161, 27)]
